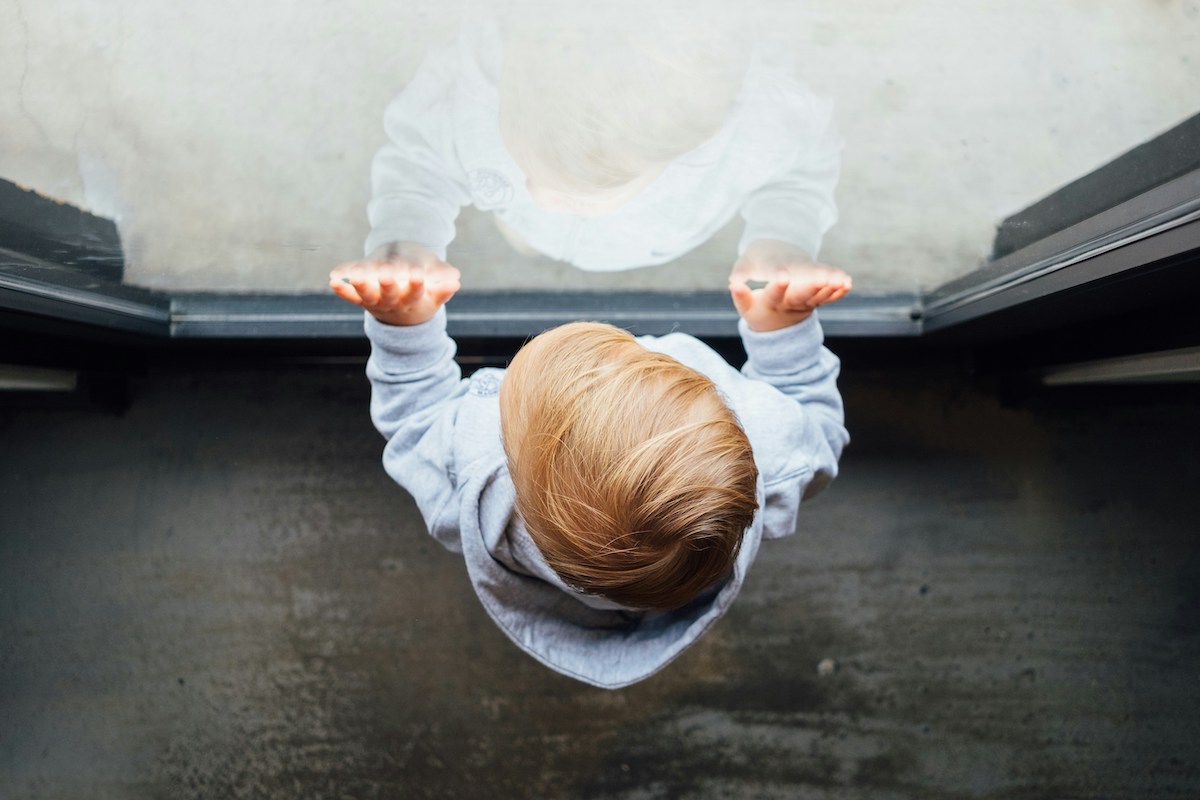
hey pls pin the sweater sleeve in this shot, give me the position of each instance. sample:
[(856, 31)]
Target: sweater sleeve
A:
[(797, 205), (418, 185), (416, 388), (795, 362)]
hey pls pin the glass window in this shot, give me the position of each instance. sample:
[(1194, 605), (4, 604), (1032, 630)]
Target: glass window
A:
[(238, 146)]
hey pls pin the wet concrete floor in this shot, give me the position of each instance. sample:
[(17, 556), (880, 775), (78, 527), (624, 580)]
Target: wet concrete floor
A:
[(219, 593)]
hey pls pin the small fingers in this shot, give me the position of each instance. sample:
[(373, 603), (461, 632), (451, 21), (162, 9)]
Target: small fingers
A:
[(415, 288), (367, 287), (774, 293), (443, 291), (389, 290), (809, 296), (822, 296), (800, 296), (344, 291), (742, 296), (839, 288), (343, 270)]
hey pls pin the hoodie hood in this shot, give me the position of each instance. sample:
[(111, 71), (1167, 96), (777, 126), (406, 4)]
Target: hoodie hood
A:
[(584, 636)]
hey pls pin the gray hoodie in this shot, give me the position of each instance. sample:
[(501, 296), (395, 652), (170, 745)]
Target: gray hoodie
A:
[(444, 447)]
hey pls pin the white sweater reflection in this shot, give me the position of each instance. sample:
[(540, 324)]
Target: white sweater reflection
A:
[(775, 159)]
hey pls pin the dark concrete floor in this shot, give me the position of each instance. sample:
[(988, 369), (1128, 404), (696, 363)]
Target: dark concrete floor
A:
[(220, 594)]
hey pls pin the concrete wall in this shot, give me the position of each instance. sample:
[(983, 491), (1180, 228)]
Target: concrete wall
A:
[(232, 140)]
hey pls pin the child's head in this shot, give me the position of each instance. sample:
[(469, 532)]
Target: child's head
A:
[(632, 475), (596, 99)]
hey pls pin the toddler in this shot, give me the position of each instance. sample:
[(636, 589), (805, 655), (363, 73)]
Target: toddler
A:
[(608, 493)]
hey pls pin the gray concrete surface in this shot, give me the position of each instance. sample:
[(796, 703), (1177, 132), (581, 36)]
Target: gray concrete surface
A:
[(220, 594), (232, 140)]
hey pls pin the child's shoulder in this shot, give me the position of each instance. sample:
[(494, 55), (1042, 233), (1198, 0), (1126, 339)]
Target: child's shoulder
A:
[(765, 413), (477, 444), (690, 351)]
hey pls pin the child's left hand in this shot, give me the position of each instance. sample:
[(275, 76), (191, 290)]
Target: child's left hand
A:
[(395, 295), (796, 285)]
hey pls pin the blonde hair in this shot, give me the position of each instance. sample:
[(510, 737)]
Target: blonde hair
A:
[(597, 95), (633, 477)]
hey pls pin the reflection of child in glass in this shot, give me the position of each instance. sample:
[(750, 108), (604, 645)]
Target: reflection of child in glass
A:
[(606, 146), (607, 493)]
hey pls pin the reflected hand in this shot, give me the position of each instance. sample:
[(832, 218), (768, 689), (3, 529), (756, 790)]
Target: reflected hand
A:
[(795, 285), (400, 284)]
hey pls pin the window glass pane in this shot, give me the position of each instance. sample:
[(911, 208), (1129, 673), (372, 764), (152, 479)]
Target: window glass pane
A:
[(233, 142)]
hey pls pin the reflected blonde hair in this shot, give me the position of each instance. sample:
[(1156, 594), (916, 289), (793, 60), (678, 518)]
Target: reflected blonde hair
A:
[(595, 95), (632, 475)]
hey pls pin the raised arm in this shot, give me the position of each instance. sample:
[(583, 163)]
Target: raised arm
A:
[(784, 345), (415, 381)]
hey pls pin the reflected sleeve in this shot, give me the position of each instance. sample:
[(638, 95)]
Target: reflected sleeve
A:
[(417, 183), (797, 205)]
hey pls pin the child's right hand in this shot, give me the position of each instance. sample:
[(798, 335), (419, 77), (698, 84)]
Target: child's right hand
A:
[(400, 284)]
